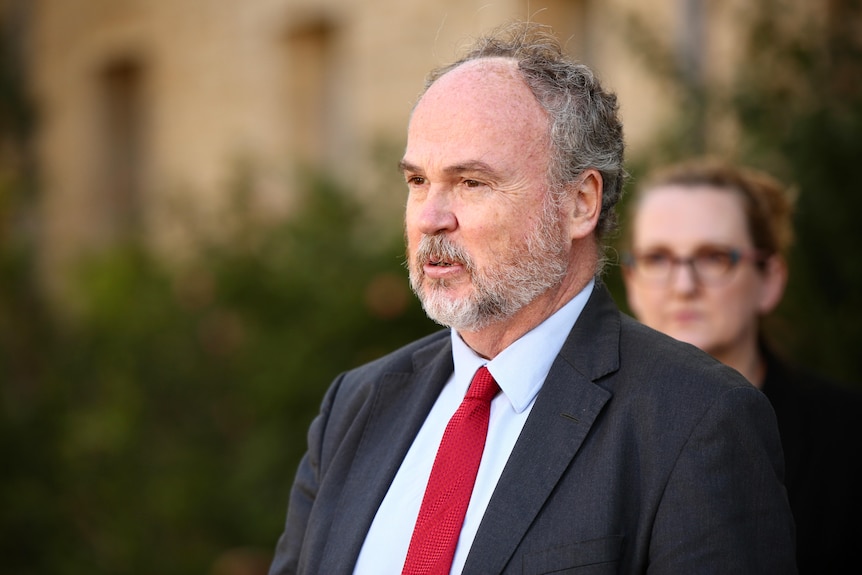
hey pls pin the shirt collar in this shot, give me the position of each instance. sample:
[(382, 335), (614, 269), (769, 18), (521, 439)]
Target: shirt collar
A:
[(521, 369)]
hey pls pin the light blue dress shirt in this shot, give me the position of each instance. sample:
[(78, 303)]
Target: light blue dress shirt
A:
[(520, 370)]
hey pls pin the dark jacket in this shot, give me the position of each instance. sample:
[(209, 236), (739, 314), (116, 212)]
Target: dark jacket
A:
[(821, 431), (640, 453)]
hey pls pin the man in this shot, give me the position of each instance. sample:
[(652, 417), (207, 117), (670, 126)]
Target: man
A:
[(708, 242), (609, 448)]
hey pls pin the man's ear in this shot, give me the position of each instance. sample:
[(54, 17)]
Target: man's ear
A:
[(587, 196)]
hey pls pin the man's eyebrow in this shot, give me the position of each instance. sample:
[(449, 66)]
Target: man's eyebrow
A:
[(405, 166), (473, 166)]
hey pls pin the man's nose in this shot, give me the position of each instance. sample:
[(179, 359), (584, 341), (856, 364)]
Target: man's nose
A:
[(436, 213)]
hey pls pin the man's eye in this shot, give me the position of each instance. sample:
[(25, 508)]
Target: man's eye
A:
[(415, 180), (472, 183)]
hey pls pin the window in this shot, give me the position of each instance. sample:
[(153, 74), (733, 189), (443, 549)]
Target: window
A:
[(311, 102), (122, 155)]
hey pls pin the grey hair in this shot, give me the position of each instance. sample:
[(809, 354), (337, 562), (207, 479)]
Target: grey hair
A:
[(585, 129)]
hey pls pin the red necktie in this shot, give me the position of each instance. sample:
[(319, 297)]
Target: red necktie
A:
[(450, 485)]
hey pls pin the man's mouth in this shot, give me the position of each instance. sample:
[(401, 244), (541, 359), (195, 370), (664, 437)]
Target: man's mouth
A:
[(440, 263)]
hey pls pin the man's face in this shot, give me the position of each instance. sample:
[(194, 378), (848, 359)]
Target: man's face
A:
[(483, 239), (718, 316)]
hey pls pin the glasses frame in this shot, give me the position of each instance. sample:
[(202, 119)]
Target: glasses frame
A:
[(735, 257)]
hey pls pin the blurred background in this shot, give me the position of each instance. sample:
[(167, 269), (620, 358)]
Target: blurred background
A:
[(200, 227)]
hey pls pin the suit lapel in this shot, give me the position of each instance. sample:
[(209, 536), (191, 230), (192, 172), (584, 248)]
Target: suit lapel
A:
[(565, 410), (401, 404)]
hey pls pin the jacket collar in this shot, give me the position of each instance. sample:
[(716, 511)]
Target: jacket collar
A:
[(565, 410)]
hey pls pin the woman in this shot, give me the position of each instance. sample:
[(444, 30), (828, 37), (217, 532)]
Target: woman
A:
[(705, 260)]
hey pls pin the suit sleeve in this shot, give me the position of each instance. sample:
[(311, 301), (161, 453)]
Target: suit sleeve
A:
[(302, 495), (725, 509)]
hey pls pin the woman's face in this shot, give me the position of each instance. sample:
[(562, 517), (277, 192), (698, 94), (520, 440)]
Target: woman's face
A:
[(715, 310)]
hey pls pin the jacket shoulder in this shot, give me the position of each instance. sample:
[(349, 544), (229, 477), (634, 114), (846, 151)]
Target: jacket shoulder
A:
[(659, 374), (403, 359)]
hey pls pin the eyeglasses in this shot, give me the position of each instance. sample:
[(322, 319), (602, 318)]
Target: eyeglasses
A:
[(709, 265)]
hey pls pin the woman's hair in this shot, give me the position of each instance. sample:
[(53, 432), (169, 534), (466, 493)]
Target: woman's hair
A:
[(768, 204)]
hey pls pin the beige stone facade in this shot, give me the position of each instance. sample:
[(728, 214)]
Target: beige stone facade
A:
[(147, 108)]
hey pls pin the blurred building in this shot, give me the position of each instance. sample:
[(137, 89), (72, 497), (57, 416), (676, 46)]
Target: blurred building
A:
[(149, 110)]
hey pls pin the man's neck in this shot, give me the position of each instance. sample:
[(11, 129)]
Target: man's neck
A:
[(491, 340)]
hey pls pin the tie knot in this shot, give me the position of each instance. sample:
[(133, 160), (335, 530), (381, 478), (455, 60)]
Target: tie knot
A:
[(483, 386)]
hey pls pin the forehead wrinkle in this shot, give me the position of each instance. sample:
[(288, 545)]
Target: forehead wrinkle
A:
[(469, 166), (460, 167), (466, 167)]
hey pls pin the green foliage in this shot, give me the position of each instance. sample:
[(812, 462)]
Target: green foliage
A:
[(800, 102), (159, 432)]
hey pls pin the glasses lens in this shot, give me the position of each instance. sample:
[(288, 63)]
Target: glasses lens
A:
[(654, 266), (709, 264), (714, 263)]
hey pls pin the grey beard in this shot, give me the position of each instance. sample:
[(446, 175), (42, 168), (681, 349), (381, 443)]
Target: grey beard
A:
[(500, 290)]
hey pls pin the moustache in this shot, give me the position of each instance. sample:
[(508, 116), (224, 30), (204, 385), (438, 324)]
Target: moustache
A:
[(439, 250)]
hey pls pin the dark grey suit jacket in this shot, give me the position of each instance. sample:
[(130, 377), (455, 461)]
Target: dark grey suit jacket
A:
[(641, 454)]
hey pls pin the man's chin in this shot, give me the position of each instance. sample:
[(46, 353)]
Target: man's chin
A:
[(444, 309), (444, 289), (439, 299)]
